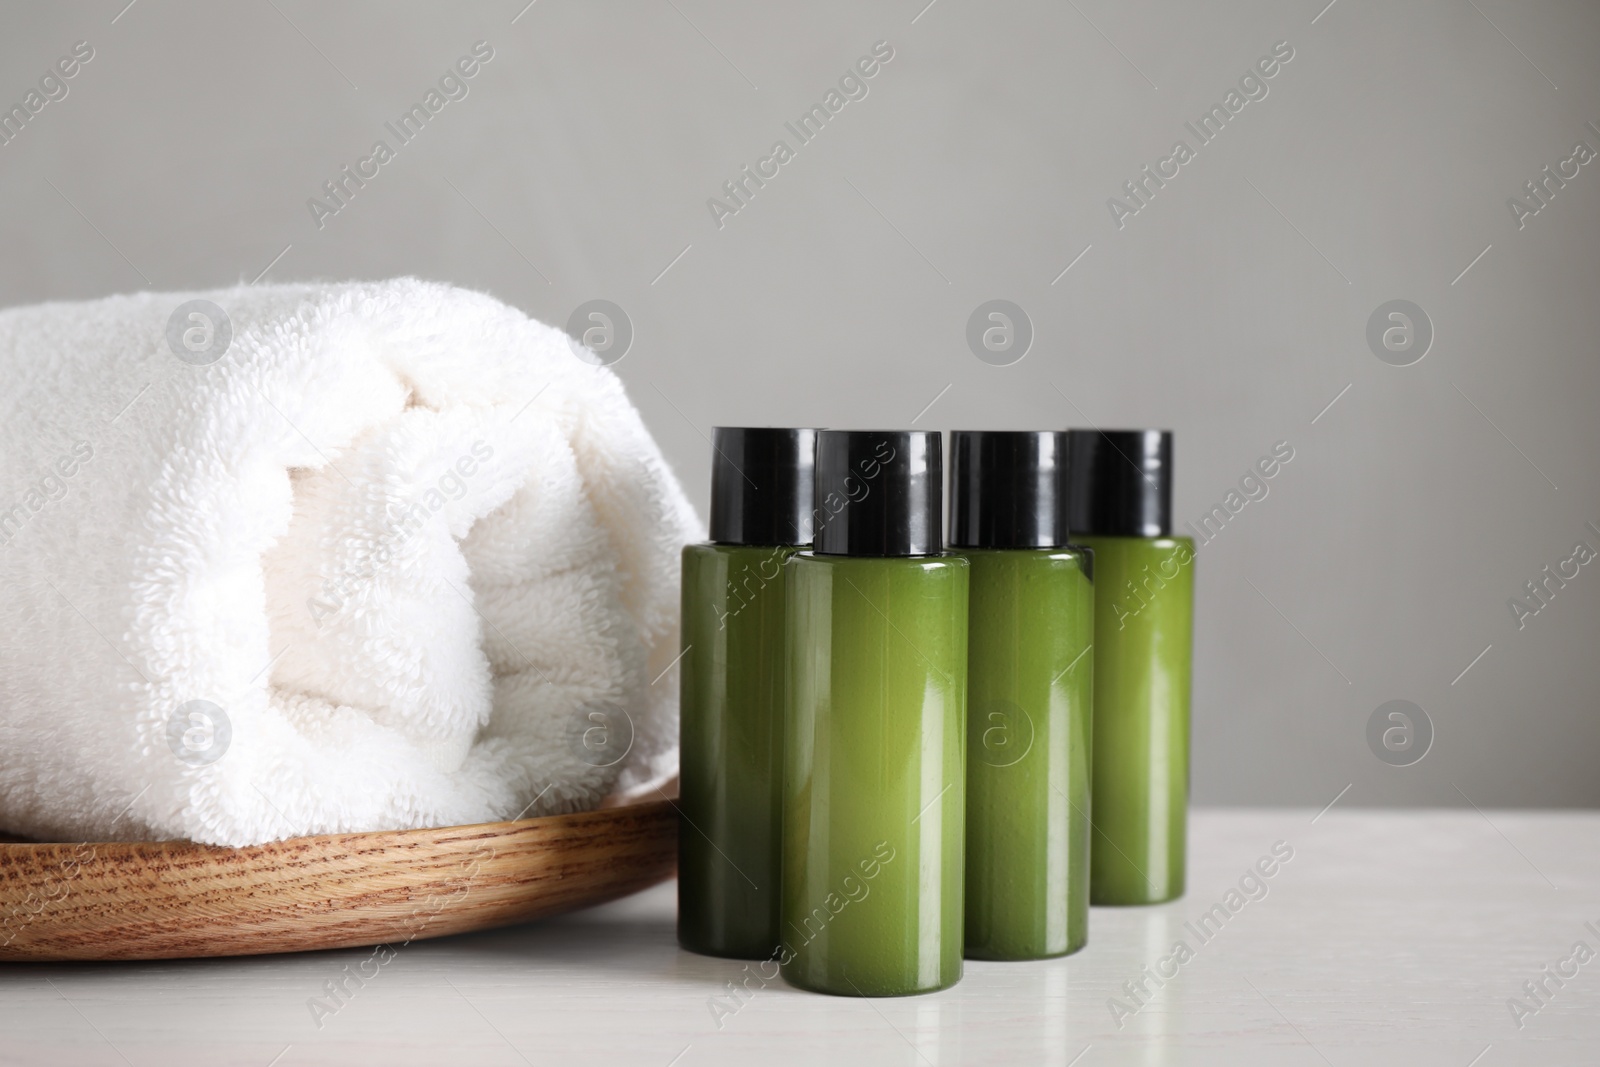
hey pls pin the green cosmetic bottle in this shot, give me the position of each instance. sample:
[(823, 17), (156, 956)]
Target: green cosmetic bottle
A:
[(1120, 487), (1029, 693), (731, 691), (875, 780)]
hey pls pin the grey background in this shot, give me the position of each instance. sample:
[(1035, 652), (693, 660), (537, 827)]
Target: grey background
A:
[(1232, 309)]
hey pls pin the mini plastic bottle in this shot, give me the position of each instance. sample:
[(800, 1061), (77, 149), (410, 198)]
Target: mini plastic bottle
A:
[(873, 797), (1029, 695), (1120, 488), (731, 691)]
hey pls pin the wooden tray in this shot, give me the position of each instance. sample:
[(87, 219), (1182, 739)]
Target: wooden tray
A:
[(167, 899)]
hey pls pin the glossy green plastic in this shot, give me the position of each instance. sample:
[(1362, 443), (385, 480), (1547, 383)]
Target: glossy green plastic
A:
[(731, 749), (1144, 611), (1029, 691), (875, 783)]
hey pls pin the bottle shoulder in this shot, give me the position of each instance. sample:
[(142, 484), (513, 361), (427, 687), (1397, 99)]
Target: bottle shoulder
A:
[(1097, 541), (945, 561), (1063, 554)]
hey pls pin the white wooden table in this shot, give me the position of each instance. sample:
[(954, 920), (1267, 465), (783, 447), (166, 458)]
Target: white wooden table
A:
[(1389, 938)]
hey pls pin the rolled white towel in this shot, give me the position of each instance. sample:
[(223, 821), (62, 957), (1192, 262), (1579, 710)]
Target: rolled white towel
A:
[(329, 558)]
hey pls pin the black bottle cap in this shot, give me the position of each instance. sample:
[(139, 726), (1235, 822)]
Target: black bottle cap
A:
[(879, 493), (761, 485), (1008, 489), (1119, 483)]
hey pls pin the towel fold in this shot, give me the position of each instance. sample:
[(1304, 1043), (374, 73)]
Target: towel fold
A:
[(309, 559)]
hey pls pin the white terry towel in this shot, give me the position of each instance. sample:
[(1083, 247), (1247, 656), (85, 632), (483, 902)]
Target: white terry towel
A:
[(397, 558)]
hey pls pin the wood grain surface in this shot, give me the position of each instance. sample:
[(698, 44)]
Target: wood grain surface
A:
[(170, 899)]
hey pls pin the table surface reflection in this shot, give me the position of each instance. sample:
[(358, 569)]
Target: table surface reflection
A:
[(1388, 937)]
